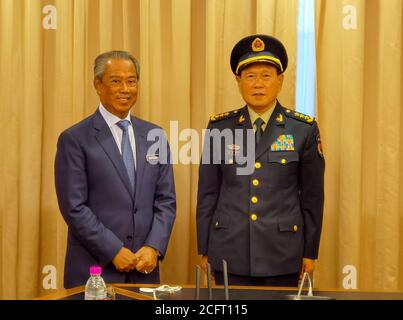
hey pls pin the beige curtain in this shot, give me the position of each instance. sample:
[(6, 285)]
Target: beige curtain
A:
[(359, 108), (46, 85)]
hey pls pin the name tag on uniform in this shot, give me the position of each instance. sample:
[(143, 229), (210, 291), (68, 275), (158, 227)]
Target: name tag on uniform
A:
[(285, 142), (152, 158), (233, 149)]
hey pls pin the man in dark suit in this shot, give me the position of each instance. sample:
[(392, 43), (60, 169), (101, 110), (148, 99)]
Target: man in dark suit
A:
[(265, 224), (116, 196)]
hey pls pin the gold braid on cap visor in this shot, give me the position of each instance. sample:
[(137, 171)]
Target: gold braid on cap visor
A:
[(258, 59)]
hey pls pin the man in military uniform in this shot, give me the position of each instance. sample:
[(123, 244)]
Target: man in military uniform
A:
[(266, 225)]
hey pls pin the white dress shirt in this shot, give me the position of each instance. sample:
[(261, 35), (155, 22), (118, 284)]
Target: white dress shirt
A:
[(117, 133)]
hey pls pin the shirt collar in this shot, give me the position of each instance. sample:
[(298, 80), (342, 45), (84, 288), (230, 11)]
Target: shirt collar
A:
[(265, 116), (110, 118)]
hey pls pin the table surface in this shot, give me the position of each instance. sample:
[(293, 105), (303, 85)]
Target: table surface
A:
[(188, 292)]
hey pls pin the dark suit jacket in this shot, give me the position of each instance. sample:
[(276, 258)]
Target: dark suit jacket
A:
[(96, 201), (271, 236)]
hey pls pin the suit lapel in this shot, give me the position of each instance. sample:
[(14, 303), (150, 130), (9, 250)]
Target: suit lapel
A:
[(245, 123), (273, 130), (105, 138), (140, 135)]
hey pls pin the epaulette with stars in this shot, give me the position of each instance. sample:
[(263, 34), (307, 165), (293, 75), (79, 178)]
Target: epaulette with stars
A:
[(299, 116), (224, 115)]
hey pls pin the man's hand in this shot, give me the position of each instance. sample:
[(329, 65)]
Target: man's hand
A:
[(147, 258), (203, 265), (125, 260), (308, 265)]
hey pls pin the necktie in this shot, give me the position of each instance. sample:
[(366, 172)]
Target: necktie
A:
[(259, 131), (127, 152)]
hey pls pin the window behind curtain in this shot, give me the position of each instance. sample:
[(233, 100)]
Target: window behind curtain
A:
[(306, 59)]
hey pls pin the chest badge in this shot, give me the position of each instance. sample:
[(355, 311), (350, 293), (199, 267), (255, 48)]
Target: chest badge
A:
[(152, 158), (285, 142)]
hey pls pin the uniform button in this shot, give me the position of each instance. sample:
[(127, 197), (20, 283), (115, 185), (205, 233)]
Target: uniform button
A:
[(295, 228), (258, 165), (253, 216), (283, 161), (254, 200), (255, 182), (216, 224)]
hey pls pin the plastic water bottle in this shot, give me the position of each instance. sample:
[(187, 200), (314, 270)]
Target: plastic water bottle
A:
[(95, 289)]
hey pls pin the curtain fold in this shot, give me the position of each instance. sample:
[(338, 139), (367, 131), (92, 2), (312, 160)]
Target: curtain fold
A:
[(359, 101)]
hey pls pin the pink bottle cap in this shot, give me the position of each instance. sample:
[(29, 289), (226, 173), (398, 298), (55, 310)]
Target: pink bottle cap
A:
[(95, 270)]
